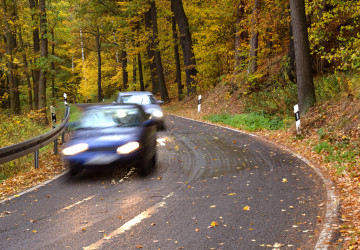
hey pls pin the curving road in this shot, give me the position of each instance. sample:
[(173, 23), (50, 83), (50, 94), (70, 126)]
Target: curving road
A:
[(213, 188)]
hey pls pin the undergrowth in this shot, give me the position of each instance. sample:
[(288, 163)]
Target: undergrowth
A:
[(19, 128), (251, 122)]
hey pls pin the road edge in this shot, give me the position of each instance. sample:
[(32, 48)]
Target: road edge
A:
[(33, 188)]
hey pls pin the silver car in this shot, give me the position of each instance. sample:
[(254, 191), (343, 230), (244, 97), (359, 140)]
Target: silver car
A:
[(149, 103)]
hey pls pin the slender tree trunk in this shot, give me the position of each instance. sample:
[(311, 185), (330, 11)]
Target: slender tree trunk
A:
[(26, 70), (36, 44), (187, 47), (134, 71), (151, 54), (304, 75), (291, 57), (44, 58), (254, 41), (240, 36), (159, 67), (53, 63), (98, 48), (176, 55), (10, 46), (124, 69), (141, 77)]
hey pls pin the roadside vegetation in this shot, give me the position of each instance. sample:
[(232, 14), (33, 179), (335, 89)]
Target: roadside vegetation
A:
[(19, 128), (329, 138)]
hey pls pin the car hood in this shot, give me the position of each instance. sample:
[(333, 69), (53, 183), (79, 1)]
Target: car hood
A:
[(106, 136)]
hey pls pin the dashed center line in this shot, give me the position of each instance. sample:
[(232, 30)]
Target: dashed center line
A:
[(131, 223)]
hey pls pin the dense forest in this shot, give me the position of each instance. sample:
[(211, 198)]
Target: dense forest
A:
[(175, 48)]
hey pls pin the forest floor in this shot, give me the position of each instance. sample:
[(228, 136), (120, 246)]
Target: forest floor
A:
[(332, 128), (330, 140)]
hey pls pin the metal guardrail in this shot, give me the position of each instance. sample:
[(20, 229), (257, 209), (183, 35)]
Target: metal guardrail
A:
[(33, 145)]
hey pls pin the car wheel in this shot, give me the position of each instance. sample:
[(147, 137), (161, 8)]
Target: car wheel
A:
[(148, 166), (74, 170)]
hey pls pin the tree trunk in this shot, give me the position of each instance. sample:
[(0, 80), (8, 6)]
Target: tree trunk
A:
[(10, 46), (254, 41), (150, 51), (53, 64), (176, 55), (44, 58), (134, 71), (187, 47), (26, 70), (159, 67), (240, 36), (36, 44), (124, 69), (304, 76), (98, 48), (141, 77), (290, 70)]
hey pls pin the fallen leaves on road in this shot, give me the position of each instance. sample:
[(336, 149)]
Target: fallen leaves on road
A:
[(246, 208), (214, 224)]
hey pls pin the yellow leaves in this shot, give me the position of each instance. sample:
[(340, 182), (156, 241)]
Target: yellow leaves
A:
[(284, 180), (246, 208), (231, 194), (34, 231), (214, 224)]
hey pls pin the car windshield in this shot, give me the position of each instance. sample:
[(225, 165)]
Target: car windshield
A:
[(111, 117), (138, 99)]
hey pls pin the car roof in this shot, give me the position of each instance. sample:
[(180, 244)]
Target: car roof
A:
[(114, 105), (136, 93)]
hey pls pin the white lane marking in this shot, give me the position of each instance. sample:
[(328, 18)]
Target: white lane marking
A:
[(332, 203), (75, 204), (127, 175), (161, 141), (128, 225)]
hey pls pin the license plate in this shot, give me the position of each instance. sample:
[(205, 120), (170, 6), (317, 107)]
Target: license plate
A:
[(101, 160)]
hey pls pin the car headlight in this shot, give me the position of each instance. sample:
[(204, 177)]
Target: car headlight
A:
[(157, 114), (75, 149), (128, 148)]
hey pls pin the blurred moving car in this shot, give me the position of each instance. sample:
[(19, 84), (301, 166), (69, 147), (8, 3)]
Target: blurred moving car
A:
[(148, 101), (116, 135)]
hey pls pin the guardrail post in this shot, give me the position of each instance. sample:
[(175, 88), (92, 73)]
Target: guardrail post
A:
[(36, 158)]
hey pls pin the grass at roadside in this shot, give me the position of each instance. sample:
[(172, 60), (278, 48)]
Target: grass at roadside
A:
[(251, 122)]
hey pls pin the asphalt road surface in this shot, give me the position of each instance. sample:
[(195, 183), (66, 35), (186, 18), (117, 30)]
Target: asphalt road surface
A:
[(213, 188)]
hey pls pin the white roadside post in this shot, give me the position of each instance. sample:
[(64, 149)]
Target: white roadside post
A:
[(53, 118), (297, 118), (65, 98), (199, 104)]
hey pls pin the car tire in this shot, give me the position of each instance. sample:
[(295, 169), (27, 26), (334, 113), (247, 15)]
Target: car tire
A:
[(74, 170), (148, 166)]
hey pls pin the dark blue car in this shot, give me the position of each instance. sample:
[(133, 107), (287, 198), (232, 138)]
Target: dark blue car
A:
[(108, 136)]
